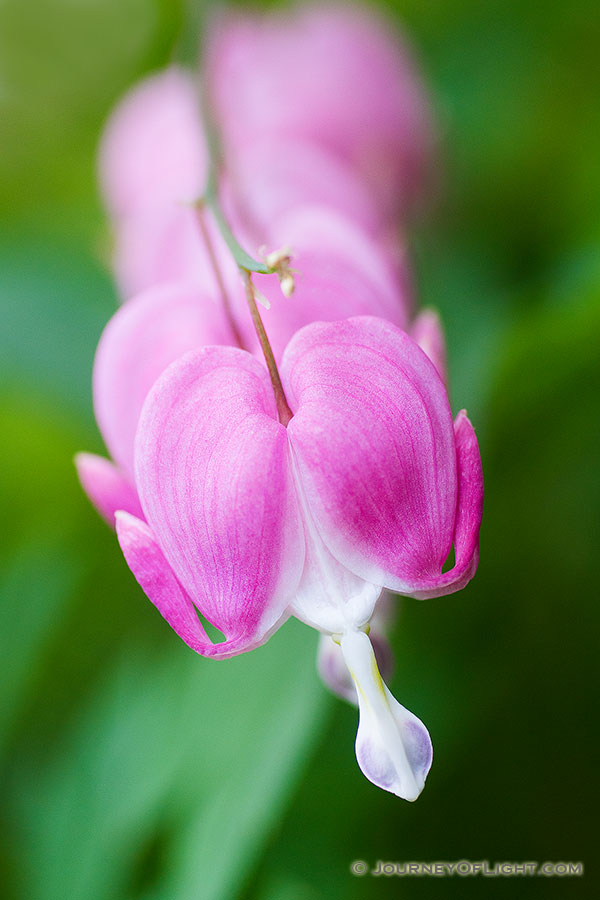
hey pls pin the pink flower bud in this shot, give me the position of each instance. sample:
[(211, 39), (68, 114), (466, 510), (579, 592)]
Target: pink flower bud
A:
[(335, 75)]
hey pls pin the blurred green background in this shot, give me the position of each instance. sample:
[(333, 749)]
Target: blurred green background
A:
[(133, 769)]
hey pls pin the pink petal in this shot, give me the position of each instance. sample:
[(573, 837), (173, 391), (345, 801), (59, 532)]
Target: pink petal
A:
[(106, 486), (468, 516), (213, 475), (373, 440), (166, 244), (342, 272), (139, 342), (428, 333), (157, 580), (153, 148), (274, 176), (332, 74)]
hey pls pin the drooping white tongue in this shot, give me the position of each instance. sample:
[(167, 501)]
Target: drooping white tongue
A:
[(393, 747)]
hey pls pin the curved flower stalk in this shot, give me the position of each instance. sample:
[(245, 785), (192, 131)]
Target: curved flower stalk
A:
[(332, 74), (248, 521)]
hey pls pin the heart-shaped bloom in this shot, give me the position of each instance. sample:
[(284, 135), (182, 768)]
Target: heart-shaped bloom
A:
[(368, 487)]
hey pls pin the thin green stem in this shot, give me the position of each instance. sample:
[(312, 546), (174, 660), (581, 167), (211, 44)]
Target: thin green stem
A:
[(284, 412), (246, 264), (211, 194), (243, 259)]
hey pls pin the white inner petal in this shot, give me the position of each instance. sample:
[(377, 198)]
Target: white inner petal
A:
[(393, 747), (330, 597)]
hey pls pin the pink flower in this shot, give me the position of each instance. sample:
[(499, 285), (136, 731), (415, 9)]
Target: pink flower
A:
[(335, 75), (153, 150), (248, 521)]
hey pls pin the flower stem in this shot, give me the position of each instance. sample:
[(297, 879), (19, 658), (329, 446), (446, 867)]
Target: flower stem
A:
[(243, 259), (284, 412), (246, 263), (218, 275)]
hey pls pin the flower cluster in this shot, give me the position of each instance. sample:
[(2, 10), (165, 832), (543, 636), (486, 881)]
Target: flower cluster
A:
[(302, 461)]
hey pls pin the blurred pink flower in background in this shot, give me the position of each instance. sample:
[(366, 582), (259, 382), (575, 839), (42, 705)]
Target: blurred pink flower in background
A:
[(333, 74)]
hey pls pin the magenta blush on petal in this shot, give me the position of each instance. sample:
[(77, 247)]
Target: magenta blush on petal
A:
[(374, 443), (213, 475), (158, 581), (469, 511)]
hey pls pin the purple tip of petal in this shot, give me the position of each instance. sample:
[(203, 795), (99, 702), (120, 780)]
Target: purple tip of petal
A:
[(158, 581), (106, 486)]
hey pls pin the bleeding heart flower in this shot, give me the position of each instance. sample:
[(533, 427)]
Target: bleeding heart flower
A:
[(249, 521), (335, 75), (153, 149), (341, 272)]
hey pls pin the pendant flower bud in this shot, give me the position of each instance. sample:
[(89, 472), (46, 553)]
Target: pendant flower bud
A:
[(335, 75), (153, 150)]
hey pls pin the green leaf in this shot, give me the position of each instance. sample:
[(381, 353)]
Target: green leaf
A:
[(205, 754)]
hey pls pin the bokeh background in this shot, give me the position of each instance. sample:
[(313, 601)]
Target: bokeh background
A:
[(134, 770)]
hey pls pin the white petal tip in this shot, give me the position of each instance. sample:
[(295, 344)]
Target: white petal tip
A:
[(393, 747)]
